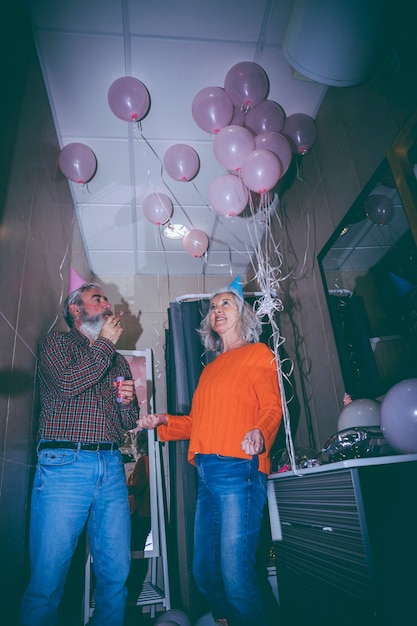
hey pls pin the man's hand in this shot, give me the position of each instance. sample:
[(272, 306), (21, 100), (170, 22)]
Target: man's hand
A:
[(112, 328), (127, 391)]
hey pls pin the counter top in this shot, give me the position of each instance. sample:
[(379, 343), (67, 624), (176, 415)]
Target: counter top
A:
[(349, 463)]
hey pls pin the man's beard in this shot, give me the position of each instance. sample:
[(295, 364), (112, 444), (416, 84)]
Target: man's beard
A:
[(91, 325)]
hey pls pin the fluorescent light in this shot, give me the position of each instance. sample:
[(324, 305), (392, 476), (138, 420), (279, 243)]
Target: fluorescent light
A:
[(175, 231)]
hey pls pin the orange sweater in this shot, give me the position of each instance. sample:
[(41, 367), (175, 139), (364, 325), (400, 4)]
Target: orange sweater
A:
[(236, 392)]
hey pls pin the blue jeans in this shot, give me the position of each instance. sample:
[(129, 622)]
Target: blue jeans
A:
[(73, 488), (230, 504)]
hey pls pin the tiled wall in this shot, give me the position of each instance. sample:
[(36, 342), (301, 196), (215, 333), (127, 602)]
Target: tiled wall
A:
[(38, 237)]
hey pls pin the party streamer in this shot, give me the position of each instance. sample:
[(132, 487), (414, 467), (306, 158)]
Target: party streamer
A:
[(269, 277)]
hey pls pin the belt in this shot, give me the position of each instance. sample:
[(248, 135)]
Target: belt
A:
[(81, 445)]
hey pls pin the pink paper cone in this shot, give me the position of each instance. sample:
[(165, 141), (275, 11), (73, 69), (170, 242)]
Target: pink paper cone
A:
[(75, 280)]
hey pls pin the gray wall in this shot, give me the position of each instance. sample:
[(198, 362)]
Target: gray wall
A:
[(38, 237)]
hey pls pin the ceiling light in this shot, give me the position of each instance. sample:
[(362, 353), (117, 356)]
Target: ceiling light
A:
[(175, 231)]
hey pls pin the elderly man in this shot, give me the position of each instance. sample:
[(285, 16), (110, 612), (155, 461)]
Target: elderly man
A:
[(80, 480)]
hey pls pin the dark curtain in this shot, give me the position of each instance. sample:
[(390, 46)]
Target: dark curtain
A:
[(185, 359), (352, 335)]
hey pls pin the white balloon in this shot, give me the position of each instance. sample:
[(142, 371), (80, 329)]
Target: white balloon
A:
[(362, 412)]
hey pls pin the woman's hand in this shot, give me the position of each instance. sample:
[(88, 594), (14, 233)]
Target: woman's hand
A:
[(253, 442), (152, 420)]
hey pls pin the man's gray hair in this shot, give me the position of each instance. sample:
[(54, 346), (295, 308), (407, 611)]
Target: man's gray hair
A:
[(75, 298)]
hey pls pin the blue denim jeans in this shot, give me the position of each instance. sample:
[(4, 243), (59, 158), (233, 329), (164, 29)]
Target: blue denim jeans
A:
[(71, 489), (230, 504)]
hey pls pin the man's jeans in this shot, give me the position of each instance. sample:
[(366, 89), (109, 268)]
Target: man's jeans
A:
[(71, 489), (230, 504)]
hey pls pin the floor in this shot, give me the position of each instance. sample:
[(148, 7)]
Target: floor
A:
[(135, 617), (139, 616)]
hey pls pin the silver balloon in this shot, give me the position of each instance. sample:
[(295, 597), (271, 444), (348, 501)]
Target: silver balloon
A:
[(174, 616), (355, 443)]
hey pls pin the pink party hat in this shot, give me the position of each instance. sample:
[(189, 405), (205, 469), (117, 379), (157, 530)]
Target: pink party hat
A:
[(75, 281)]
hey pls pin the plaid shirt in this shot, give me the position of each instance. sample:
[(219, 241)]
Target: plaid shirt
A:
[(77, 395)]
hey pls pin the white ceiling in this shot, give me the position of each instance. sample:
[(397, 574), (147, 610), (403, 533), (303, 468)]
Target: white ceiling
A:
[(175, 48)]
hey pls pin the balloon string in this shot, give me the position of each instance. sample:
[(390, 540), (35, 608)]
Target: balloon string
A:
[(14, 329), (161, 241), (61, 295), (162, 175), (252, 223), (201, 197), (206, 255), (269, 277), (277, 341), (298, 162), (310, 216), (18, 335), (225, 226)]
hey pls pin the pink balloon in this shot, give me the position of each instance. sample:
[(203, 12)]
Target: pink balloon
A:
[(261, 170), (128, 98), (77, 162), (157, 208), (195, 242), (267, 117), (181, 162), (212, 109), (300, 129), (232, 145), (278, 144), (228, 196), (247, 84)]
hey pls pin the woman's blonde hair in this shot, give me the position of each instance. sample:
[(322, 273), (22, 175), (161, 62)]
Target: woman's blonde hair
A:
[(249, 325)]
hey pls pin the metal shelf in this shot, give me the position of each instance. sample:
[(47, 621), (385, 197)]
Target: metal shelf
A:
[(150, 594)]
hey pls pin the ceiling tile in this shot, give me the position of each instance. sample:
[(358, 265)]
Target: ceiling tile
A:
[(175, 49)]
